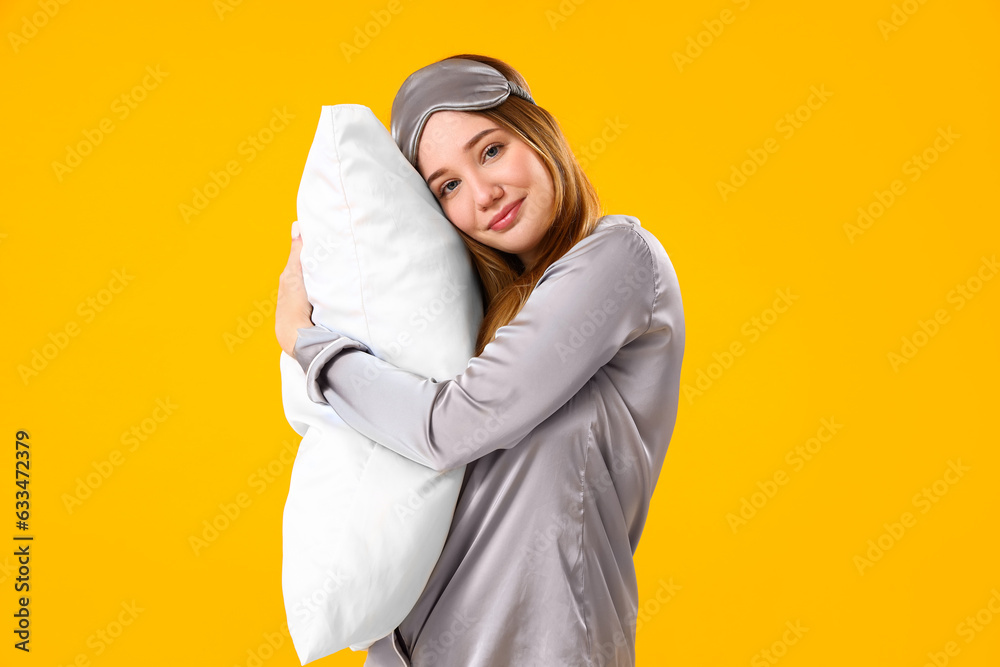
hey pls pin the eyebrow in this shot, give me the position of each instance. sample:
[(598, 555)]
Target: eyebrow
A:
[(469, 144)]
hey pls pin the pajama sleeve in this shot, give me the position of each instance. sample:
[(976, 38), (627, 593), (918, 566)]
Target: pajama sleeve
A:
[(586, 306)]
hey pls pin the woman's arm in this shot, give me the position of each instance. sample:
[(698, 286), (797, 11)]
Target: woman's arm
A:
[(590, 303)]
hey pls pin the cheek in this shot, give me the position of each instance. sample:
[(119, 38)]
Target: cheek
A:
[(540, 175), (458, 214)]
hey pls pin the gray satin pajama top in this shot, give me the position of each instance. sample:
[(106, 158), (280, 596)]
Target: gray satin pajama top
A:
[(563, 422)]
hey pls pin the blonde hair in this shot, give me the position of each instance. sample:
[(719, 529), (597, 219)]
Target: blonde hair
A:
[(505, 282)]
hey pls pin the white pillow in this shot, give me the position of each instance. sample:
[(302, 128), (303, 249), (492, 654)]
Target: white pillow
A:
[(363, 526)]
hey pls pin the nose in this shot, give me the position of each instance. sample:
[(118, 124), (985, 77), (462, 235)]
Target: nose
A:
[(486, 190)]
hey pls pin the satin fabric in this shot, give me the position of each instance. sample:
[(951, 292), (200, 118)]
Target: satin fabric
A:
[(455, 84), (563, 421)]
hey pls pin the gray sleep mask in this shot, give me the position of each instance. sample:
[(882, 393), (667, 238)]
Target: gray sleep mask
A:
[(454, 84)]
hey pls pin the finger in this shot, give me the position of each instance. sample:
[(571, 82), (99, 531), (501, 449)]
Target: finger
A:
[(296, 241), (296, 250)]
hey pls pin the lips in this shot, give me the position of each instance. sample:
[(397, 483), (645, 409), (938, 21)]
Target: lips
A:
[(505, 211)]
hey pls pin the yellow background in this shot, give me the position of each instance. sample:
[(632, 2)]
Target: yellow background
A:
[(166, 335)]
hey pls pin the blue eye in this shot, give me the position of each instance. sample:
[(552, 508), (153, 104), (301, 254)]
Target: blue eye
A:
[(444, 187)]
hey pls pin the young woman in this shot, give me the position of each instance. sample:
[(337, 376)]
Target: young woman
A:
[(564, 415)]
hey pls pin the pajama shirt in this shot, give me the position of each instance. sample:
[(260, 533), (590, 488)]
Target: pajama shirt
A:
[(562, 423)]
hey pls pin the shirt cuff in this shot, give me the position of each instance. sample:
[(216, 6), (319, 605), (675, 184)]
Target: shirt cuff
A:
[(314, 348)]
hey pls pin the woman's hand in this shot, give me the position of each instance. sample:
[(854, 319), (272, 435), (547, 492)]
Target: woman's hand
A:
[(293, 310)]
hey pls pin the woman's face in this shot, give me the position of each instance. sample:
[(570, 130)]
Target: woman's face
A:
[(479, 171)]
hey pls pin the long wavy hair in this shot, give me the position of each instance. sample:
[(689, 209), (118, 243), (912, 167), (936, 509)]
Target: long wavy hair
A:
[(505, 282)]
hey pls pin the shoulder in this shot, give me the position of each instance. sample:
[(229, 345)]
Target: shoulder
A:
[(657, 253), (615, 242), (668, 308), (621, 249), (618, 246), (665, 277), (614, 262)]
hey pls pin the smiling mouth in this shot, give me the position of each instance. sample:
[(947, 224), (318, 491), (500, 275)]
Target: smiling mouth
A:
[(506, 217)]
